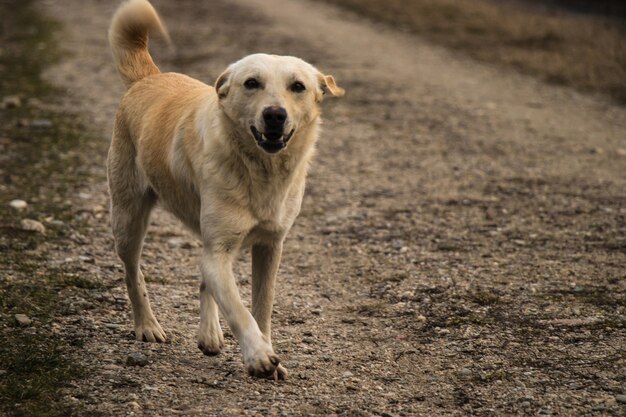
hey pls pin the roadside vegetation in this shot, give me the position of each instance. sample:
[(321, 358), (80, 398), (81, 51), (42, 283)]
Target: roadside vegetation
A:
[(584, 50), (38, 169)]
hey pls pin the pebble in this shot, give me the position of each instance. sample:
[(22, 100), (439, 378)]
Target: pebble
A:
[(87, 259), (23, 320), (525, 404), (348, 374), (40, 123), (55, 223), (465, 373), (33, 226), (18, 204), (177, 242), (621, 398), (621, 152), (34, 102), (291, 364), (137, 359), (11, 102), (397, 244), (112, 326), (134, 405)]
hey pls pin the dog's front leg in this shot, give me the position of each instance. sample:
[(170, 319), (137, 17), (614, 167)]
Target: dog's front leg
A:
[(265, 262), (219, 281)]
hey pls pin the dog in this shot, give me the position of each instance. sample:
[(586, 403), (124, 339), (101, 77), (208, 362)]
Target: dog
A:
[(229, 161)]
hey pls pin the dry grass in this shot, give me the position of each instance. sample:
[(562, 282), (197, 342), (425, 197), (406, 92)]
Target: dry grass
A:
[(588, 53)]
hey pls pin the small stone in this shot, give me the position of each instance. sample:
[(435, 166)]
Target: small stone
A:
[(34, 102), (465, 373), (420, 318), (177, 242), (397, 244), (136, 359), (87, 259), (55, 223), (73, 400), (621, 152), (33, 226), (23, 320), (596, 151), (40, 123), (525, 404), (18, 204), (11, 102), (291, 364), (134, 405), (621, 398), (386, 415), (348, 374), (112, 326)]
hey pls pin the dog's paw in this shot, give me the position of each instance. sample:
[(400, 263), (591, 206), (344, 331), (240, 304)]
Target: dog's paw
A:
[(211, 343), (263, 366), (149, 330), (280, 374)]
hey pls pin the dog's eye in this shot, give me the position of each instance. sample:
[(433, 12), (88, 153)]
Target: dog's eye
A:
[(297, 87), (252, 84)]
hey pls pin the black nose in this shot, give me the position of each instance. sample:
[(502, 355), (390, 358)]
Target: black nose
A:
[(274, 118)]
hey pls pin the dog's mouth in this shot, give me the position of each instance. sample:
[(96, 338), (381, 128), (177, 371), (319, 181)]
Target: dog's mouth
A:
[(271, 142)]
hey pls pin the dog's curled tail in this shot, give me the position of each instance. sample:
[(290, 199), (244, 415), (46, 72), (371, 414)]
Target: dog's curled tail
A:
[(128, 36)]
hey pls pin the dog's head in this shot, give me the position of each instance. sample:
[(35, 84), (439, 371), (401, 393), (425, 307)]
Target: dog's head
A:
[(272, 97)]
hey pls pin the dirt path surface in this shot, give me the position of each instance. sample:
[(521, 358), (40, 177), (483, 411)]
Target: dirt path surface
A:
[(461, 248)]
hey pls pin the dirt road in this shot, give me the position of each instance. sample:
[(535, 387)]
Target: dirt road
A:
[(461, 248)]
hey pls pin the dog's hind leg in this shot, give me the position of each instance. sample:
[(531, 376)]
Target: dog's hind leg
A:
[(131, 204)]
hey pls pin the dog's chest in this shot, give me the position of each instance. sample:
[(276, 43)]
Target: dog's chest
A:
[(274, 212)]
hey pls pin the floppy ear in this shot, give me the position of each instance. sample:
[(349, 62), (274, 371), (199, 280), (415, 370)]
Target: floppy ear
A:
[(327, 83), (222, 84)]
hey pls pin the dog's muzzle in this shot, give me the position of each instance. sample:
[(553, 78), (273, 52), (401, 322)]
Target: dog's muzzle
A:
[(271, 142)]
